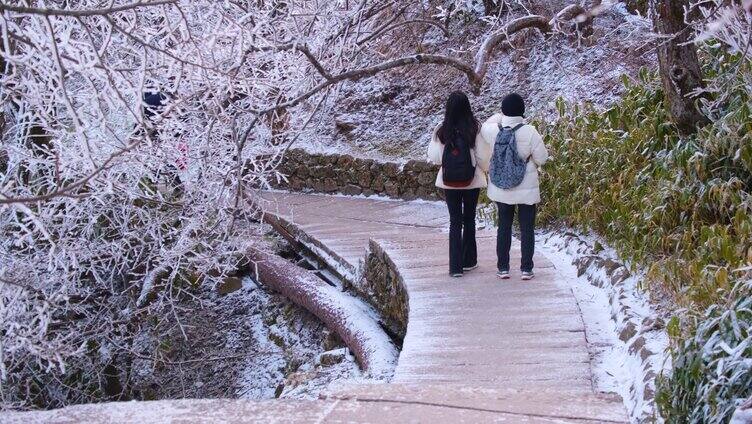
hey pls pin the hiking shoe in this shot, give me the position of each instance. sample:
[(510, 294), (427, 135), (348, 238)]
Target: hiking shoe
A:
[(455, 274), (527, 275), (504, 275), (469, 268)]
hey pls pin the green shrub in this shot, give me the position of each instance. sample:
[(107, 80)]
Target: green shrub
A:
[(680, 207), (712, 369)]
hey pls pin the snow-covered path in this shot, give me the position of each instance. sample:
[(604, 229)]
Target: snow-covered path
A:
[(476, 331), (476, 350)]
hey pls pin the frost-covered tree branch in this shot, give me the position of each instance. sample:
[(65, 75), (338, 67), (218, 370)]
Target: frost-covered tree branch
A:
[(134, 137)]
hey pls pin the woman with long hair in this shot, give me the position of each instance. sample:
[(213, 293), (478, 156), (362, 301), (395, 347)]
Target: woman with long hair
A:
[(456, 145)]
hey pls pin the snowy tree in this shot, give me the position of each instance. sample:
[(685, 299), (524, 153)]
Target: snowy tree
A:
[(134, 138)]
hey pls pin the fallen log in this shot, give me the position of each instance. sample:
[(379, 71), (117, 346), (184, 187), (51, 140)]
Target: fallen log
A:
[(360, 331)]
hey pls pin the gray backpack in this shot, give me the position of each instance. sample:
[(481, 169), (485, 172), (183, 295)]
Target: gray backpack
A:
[(507, 168)]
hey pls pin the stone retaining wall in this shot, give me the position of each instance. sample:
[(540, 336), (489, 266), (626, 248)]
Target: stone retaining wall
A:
[(376, 280), (346, 174), (384, 288)]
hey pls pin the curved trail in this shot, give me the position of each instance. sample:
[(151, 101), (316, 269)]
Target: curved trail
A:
[(477, 349), (476, 331)]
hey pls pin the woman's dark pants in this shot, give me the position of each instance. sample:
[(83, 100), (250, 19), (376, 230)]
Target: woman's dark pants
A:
[(463, 251), (526, 216)]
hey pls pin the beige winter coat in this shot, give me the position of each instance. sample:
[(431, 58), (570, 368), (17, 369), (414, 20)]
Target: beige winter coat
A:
[(529, 144), (479, 156)]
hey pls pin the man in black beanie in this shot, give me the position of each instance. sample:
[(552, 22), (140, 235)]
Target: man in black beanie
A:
[(513, 105), (520, 199)]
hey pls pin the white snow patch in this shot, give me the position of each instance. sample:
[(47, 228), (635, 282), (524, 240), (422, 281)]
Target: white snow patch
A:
[(266, 368), (616, 369)]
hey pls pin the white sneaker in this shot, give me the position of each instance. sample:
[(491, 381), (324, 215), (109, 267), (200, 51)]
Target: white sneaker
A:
[(470, 268), (504, 275), (527, 275), (456, 275)]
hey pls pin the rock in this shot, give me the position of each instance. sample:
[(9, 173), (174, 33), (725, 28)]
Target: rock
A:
[(332, 357), (390, 169), (364, 180), (296, 184), (345, 161), (328, 171), (377, 184), (743, 414), (645, 353), (424, 193), (332, 341), (342, 179), (391, 188), (637, 345), (584, 262), (611, 265), (229, 285), (426, 178), (629, 331), (648, 394), (619, 276), (329, 185), (352, 190), (651, 324), (317, 185), (411, 166), (409, 194), (297, 378)]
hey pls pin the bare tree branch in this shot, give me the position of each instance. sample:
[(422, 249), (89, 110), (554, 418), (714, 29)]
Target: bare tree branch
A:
[(81, 13)]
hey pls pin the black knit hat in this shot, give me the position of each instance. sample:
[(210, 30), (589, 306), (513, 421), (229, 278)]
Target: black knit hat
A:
[(513, 105)]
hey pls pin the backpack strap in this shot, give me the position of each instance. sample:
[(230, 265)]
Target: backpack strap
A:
[(515, 128)]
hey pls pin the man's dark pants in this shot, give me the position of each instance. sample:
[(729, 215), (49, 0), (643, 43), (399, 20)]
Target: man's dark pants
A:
[(526, 217)]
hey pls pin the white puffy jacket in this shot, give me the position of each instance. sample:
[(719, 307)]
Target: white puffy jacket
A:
[(529, 145), (479, 156)]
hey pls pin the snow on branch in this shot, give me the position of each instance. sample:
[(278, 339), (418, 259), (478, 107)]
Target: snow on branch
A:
[(134, 138), (81, 12)]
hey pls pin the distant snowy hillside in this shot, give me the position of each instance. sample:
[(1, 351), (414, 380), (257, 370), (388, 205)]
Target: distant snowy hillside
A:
[(391, 115)]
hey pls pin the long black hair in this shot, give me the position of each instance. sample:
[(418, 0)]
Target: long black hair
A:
[(459, 120)]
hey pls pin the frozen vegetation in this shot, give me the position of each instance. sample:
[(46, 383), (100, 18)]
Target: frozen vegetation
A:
[(135, 137)]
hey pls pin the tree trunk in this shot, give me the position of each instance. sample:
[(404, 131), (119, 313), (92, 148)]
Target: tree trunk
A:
[(679, 66), (361, 333)]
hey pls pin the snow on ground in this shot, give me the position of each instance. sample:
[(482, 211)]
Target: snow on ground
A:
[(290, 346), (617, 366), (249, 343), (392, 115)]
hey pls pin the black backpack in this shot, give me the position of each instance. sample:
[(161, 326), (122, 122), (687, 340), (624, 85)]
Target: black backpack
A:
[(457, 167)]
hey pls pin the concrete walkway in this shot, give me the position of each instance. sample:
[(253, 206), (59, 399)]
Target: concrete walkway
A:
[(477, 349)]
